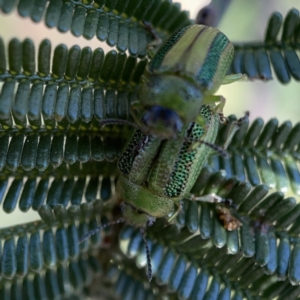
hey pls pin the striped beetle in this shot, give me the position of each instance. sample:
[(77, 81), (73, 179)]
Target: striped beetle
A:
[(181, 76), (157, 174)]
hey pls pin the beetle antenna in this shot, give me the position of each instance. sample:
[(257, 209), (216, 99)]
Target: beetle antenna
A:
[(156, 39), (244, 118), (218, 149), (235, 127), (98, 228), (149, 266), (118, 122)]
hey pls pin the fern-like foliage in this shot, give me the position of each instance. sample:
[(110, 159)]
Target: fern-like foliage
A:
[(261, 248), (255, 59), (48, 259), (82, 88), (263, 154), (44, 152), (55, 159), (116, 22)]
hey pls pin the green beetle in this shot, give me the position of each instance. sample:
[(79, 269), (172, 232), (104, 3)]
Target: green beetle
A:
[(157, 174), (182, 75)]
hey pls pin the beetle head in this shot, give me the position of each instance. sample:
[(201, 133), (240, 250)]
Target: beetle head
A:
[(169, 102)]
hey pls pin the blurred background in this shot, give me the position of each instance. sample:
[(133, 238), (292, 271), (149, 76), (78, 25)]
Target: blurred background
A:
[(243, 21)]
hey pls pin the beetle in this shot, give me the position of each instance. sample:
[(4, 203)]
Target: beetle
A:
[(155, 177), (181, 76), (156, 174)]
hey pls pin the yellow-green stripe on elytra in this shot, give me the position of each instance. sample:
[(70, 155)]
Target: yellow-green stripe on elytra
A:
[(199, 53), (156, 62)]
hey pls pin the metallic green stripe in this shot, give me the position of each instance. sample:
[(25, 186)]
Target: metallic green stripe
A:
[(209, 68), (187, 160), (159, 56)]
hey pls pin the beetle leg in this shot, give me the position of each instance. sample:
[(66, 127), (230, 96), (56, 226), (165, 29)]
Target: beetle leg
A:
[(233, 128), (218, 102), (223, 119), (211, 198), (133, 108), (233, 77), (156, 40), (217, 149), (117, 121), (210, 100), (176, 212), (219, 109), (213, 99)]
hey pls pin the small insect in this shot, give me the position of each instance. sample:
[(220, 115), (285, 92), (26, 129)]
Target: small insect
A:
[(157, 174), (181, 76)]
